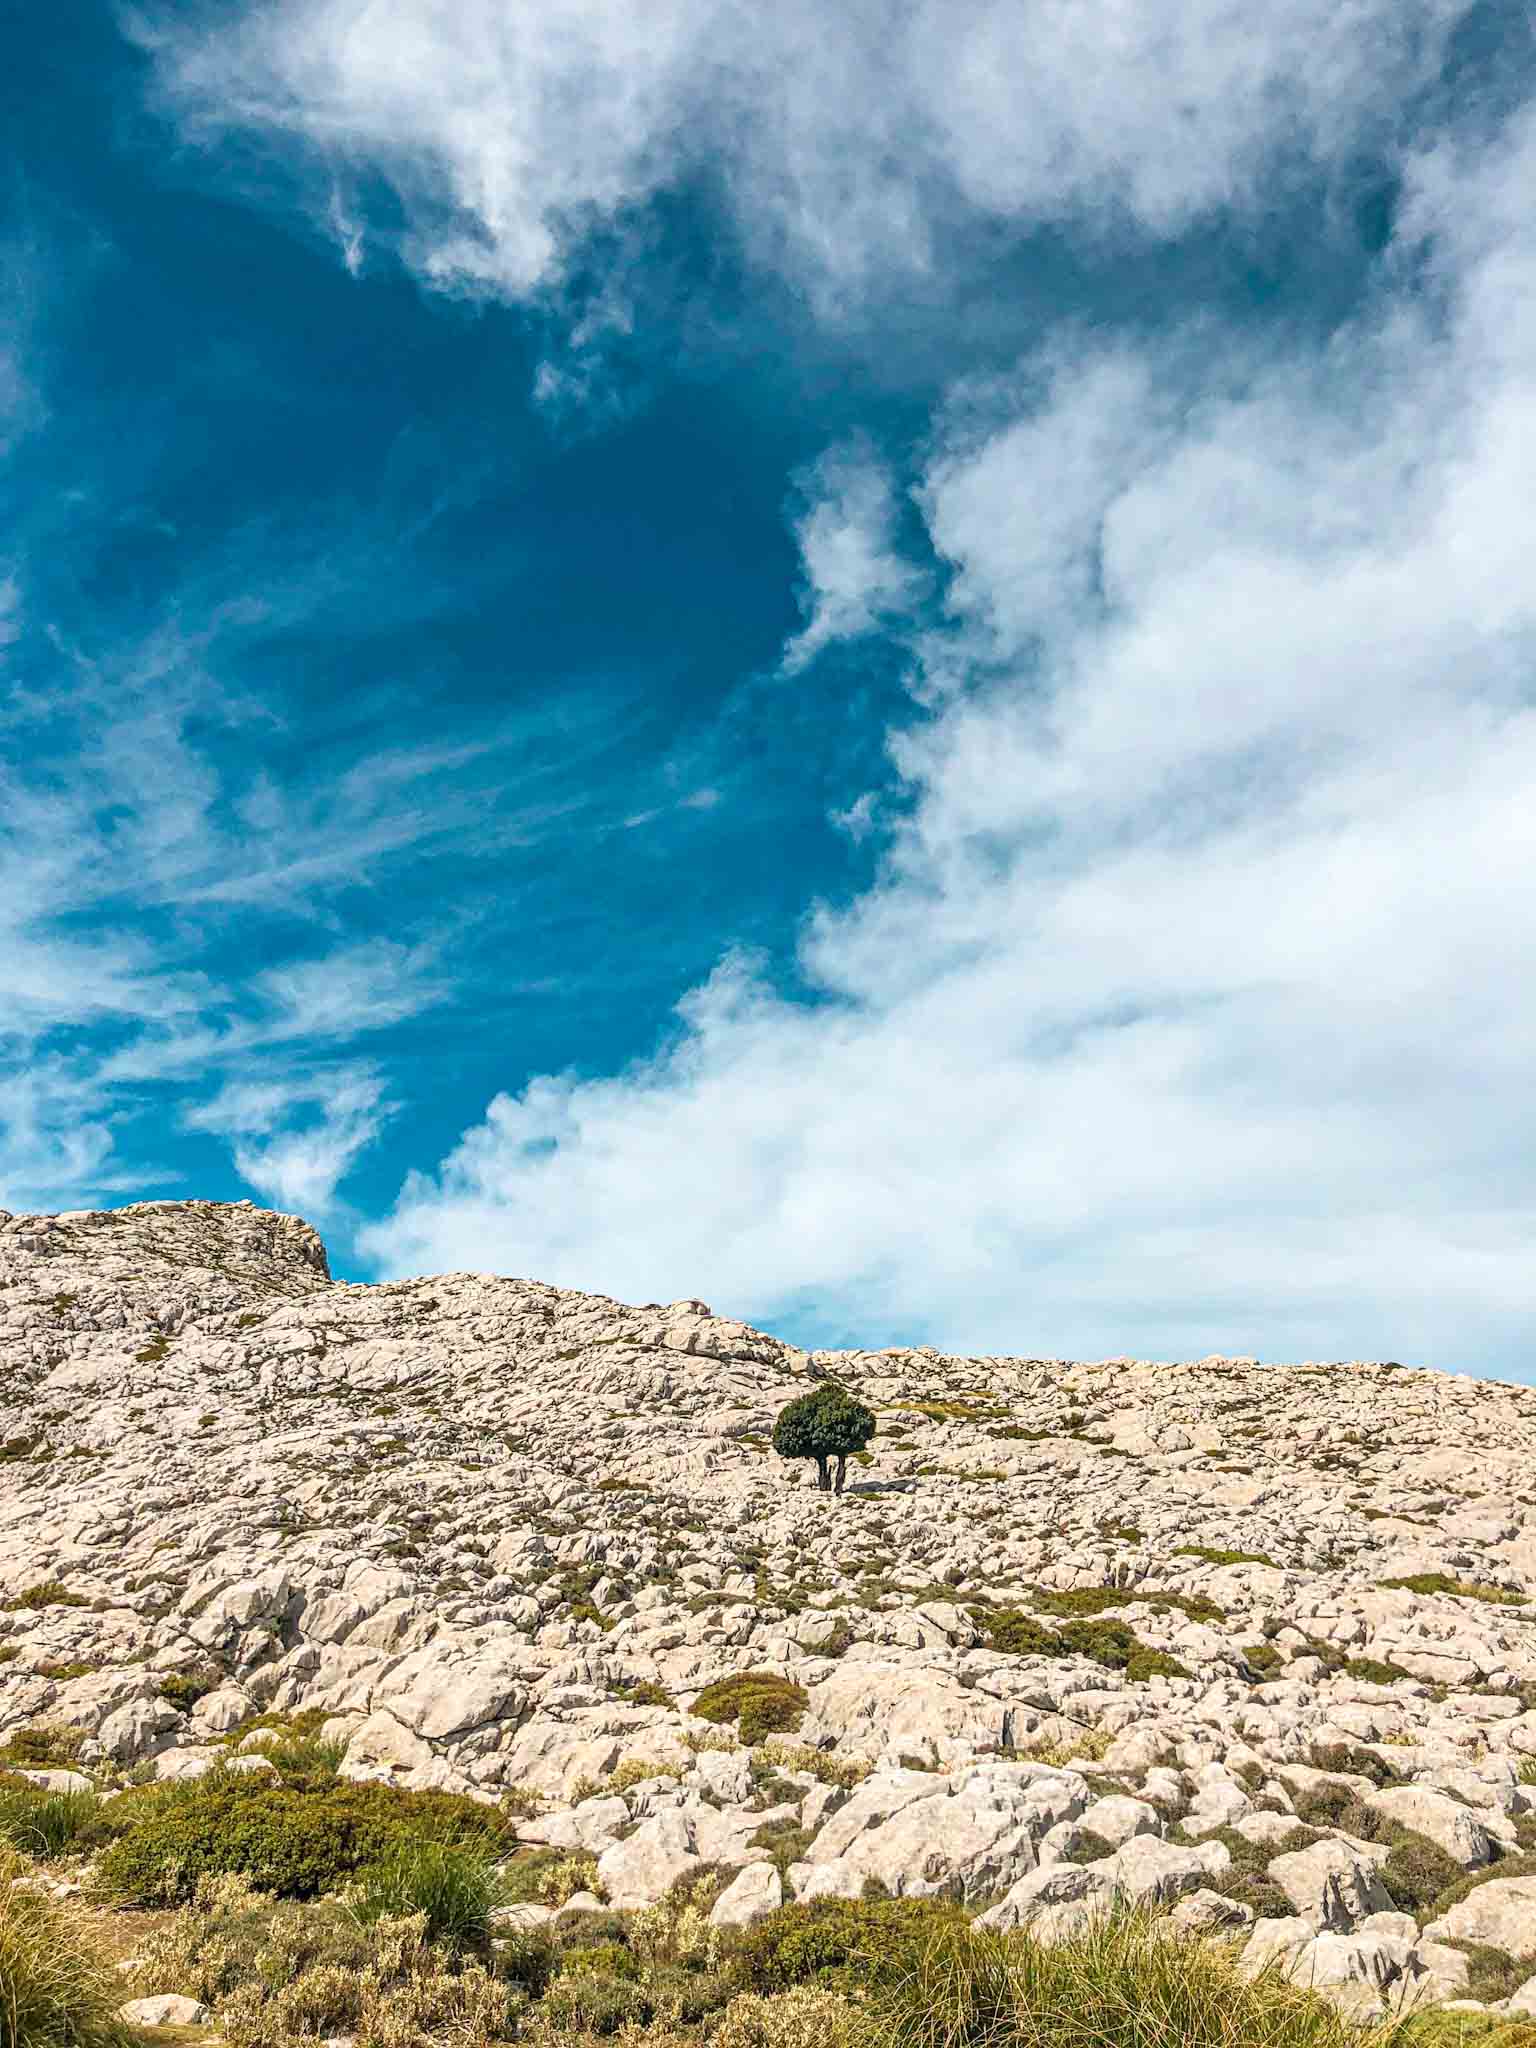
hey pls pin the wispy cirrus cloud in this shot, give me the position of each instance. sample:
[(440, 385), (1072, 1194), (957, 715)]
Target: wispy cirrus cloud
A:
[(169, 912), (295, 1139)]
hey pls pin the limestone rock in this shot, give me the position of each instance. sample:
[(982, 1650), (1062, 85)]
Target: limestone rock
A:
[(1498, 1914), (1331, 1885), (168, 2010), (752, 1894)]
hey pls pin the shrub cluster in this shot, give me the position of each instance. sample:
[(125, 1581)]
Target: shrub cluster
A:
[(293, 1840), (761, 1703), (840, 1943), (1110, 1643), (280, 1974)]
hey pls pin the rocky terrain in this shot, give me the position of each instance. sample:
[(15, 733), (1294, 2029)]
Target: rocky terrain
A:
[(1255, 1641)]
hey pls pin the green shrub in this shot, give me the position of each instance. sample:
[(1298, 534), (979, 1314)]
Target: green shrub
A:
[(1467, 1882), (1492, 1973), (1264, 1658), (183, 1689), (1083, 1602), (840, 1942), (548, 1877), (1119, 1648), (1465, 1589), (280, 1975), (43, 1824), (1110, 1643), (1374, 1671), (642, 1692), (292, 1840), (761, 1703), (1244, 1878), (846, 1771), (1417, 1871), (1352, 1757), (300, 1755), (50, 1593), (1021, 1635), (56, 1991), (1209, 1556), (454, 1887), (43, 1746), (803, 2018), (588, 2000)]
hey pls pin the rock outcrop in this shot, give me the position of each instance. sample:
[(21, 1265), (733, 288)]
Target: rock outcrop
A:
[(1084, 1628)]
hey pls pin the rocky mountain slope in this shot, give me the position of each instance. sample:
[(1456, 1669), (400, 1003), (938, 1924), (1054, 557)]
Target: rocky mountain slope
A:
[(1246, 1636)]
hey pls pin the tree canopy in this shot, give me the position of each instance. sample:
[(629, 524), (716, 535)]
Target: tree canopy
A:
[(829, 1424)]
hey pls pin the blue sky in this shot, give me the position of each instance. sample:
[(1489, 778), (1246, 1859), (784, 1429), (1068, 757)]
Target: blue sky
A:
[(871, 664)]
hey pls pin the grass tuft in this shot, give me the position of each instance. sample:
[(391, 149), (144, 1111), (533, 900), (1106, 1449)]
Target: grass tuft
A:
[(56, 1991), (1127, 1982)]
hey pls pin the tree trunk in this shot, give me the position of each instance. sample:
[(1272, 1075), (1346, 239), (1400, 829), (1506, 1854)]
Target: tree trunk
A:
[(842, 1474), (823, 1477)]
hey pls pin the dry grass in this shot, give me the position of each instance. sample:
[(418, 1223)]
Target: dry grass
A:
[(56, 1988), (1128, 1982)]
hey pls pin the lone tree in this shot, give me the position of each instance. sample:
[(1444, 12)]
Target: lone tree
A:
[(825, 1425)]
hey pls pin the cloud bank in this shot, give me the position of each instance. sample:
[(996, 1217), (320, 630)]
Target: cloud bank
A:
[(846, 143), (1193, 996)]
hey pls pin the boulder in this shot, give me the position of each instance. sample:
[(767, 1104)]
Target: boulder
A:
[(1498, 1914), (1207, 1912), (750, 1896), (636, 1872), (1444, 1820), (169, 2009), (1331, 1885), (1147, 1868), (1118, 1818), (1081, 1886)]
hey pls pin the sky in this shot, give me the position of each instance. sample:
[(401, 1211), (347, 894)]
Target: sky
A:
[(872, 664)]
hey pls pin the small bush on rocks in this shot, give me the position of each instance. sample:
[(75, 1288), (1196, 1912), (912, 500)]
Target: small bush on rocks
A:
[(279, 1974), (43, 1746), (1466, 1589), (292, 1840), (845, 1771), (761, 1703), (1359, 1762), (1374, 1671), (1109, 1643), (183, 1689), (1467, 1881), (803, 2018), (548, 1877), (1209, 1556), (840, 1943)]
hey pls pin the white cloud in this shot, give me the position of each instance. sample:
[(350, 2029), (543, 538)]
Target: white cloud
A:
[(847, 532), (349, 990), (295, 1138), (1193, 999), (851, 140)]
